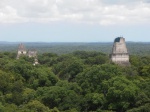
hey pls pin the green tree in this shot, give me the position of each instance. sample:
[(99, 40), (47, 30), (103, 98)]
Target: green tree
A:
[(121, 93), (59, 97), (144, 71), (48, 59), (68, 68), (42, 76), (36, 106), (93, 102), (91, 79)]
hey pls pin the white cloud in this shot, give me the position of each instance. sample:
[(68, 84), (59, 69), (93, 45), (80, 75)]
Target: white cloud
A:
[(103, 12), (9, 15)]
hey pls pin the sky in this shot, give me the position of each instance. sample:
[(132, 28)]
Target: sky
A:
[(74, 20)]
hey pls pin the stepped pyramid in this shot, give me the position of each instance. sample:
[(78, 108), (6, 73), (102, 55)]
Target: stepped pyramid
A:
[(30, 53), (119, 53), (21, 50)]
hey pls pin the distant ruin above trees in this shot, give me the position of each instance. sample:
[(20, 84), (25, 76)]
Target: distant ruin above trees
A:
[(119, 53), (21, 50), (30, 53)]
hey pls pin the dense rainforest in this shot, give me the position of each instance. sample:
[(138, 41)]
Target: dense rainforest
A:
[(81, 81)]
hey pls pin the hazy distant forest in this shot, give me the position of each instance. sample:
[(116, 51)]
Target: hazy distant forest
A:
[(134, 48), (74, 77)]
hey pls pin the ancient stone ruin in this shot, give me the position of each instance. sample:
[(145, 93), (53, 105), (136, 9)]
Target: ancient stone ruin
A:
[(21, 50), (30, 53), (119, 53), (33, 53)]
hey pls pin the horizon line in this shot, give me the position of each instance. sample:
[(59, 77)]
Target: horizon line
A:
[(69, 42)]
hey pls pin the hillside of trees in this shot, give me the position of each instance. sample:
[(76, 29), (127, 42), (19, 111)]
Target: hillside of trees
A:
[(81, 81)]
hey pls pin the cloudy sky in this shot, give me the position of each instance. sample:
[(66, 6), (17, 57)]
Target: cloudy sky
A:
[(74, 20)]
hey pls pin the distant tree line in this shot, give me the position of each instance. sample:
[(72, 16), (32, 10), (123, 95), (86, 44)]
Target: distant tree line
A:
[(134, 48)]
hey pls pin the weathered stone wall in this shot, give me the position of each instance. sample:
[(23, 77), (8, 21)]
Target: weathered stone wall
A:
[(120, 57), (119, 47), (21, 50), (21, 53), (119, 52), (32, 53)]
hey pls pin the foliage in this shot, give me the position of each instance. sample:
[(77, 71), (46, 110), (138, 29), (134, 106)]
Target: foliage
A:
[(82, 81)]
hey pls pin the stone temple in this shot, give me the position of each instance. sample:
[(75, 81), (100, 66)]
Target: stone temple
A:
[(21, 50), (119, 53), (30, 53), (33, 53)]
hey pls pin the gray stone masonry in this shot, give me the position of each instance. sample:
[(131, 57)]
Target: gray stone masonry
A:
[(21, 50), (119, 53), (31, 53)]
